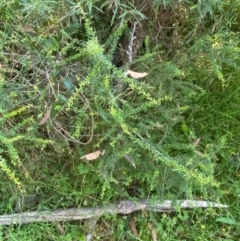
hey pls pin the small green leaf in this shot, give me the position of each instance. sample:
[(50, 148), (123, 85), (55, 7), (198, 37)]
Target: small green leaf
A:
[(83, 169), (62, 97), (185, 128), (69, 85), (102, 113), (226, 220)]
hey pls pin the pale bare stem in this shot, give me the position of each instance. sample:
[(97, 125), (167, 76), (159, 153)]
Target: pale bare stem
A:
[(50, 83), (162, 139), (129, 159), (130, 52), (67, 136), (141, 137), (113, 6), (164, 180), (160, 28), (40, 71), (130, 45), (13, 70)]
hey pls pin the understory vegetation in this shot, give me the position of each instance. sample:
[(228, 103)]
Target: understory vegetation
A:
[(104, 101)]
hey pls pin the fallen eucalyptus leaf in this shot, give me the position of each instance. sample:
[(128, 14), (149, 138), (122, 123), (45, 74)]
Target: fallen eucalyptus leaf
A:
[(136, 75), (133, 227), (93, 156), (60, 229), (153, 231)]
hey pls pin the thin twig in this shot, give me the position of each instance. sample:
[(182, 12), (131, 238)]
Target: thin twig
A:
[(66, 135), (50, 83)]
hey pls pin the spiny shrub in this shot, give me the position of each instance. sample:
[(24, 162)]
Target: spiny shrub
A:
[(13, 126)]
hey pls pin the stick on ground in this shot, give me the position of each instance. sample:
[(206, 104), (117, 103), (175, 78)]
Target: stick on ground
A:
[(123, 207)]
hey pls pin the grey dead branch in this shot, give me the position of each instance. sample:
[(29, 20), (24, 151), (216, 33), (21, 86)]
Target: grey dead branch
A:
[(122, 207)]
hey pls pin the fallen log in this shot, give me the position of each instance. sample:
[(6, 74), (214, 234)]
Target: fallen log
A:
[(122, 207)]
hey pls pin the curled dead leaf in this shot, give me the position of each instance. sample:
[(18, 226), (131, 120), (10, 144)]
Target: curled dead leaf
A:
[(136, 75), (60, 229), (93, 156), (196, 142), (153, 231), (133, 227)]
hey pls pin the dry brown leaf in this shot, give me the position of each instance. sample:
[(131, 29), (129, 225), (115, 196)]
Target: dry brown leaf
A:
[(45, 117), (136, 75), (60, 229), (133, 227), (158, 125), (28, 29), (153, 231), (196, 142), (93, 156)]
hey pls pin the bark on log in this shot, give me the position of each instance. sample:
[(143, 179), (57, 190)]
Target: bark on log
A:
[(123, 207)]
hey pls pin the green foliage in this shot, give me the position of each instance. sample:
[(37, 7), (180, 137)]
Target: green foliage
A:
[(65, 92), (11, 127)]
